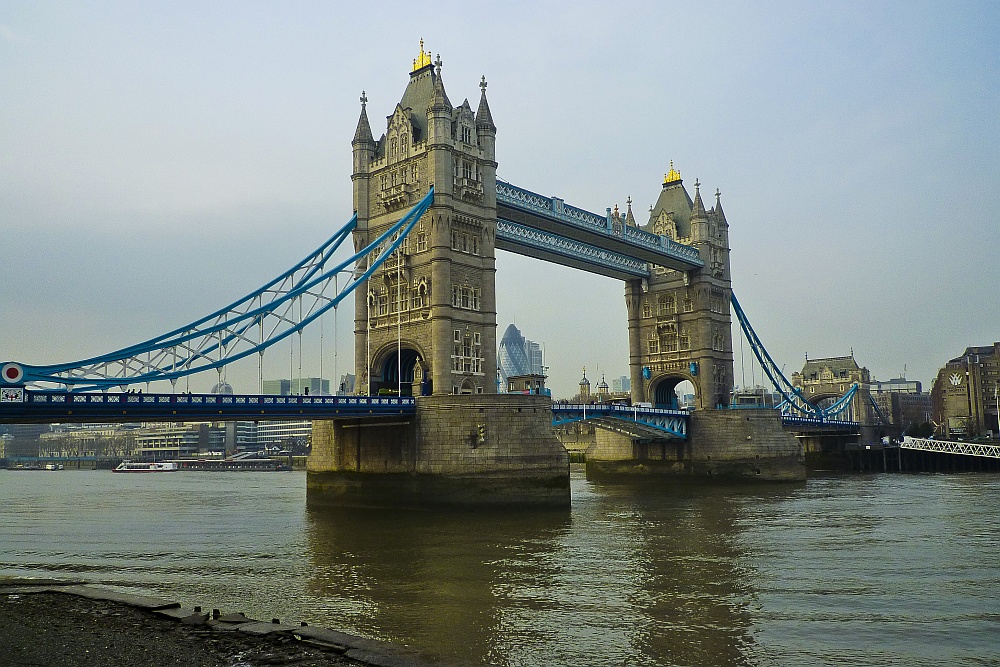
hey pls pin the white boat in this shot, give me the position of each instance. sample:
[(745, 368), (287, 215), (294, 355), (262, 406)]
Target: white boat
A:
[(158, 466)]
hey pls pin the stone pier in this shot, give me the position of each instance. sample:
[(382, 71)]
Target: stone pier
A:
[(457, 450), (748, 445)]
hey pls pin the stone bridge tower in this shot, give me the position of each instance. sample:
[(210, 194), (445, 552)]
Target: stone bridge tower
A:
[(680, 322), (426, 320), (824, 381)]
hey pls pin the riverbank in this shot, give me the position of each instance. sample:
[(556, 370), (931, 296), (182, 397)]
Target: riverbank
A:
[(66, 624)]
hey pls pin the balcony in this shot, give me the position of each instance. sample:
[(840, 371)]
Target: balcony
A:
[(396, 196), (468, 189)]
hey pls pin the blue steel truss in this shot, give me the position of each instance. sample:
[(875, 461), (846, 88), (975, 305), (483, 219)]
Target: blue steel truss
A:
[(793, 402), (249, 326), (878, 411), (650, 421), (555, 208), (576, 250)]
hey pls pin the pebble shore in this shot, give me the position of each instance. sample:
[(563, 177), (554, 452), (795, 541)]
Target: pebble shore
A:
[(70, 624)]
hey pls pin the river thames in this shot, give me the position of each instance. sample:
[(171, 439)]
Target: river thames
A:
[(845, 570)]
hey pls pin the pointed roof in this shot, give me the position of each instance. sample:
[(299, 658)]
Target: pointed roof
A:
[(364, 132), (439, 98), (425, 84), (720, 215), (584, 381), (674, 200), (629, 219), (698, 207), (484, 119)]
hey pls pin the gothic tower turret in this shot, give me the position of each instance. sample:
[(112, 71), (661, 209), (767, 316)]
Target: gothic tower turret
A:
[(679, 322), (432, 306)]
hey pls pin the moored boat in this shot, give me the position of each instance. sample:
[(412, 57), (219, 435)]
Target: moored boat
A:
[(139, 466)]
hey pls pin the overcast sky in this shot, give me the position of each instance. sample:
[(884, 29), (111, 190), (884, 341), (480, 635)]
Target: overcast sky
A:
[(158, 161)]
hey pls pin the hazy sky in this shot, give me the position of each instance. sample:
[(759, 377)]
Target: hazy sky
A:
[(158, 161)]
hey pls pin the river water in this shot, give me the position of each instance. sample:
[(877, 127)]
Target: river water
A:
[(848, 570)]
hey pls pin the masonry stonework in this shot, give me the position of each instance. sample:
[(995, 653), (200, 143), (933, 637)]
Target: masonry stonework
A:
[(745, 445), (679, 322), (457, 450), (427, 317)]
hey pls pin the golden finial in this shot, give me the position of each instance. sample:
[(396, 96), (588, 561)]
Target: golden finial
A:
[(423, 60), (673, 176)]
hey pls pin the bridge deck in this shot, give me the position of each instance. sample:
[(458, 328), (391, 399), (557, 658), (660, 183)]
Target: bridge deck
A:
[(632, 420), (51, 407), (548, 228)]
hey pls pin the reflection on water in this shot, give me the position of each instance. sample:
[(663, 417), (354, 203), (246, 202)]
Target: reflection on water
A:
[(629, 576), (889, 569)]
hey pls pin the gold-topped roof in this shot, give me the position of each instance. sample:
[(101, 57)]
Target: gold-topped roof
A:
[(423, 60), (672, 176)]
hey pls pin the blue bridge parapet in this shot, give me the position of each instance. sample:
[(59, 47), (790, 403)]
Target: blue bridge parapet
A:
[(638, 421), (60, 406), (552, 215)]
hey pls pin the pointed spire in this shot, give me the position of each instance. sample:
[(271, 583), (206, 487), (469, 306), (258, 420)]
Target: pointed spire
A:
[(698, 209), (422, 60), (364, 132), (673, 176), (719, 213), (484, 119), (439, 98), (629, 220)]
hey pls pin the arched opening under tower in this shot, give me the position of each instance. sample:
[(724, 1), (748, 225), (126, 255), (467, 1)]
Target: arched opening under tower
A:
[(398, 364), (823, 402), (673, 393)]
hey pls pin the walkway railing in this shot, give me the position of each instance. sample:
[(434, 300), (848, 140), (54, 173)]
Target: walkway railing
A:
[(671, 423), (57, 406), (951, 447), (555, 208)]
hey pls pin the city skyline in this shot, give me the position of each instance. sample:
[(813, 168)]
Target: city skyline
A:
[(163, 161)]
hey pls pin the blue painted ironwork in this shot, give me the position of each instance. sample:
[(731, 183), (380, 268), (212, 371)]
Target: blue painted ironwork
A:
[(672, 423), (248, 326), (62, 406), (556, 209), (841, 404), (793, 401), (576, 250), (819, 423), (878, 411)]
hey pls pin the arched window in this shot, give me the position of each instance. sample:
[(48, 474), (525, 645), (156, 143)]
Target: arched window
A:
[(402, 144), (392, 147)]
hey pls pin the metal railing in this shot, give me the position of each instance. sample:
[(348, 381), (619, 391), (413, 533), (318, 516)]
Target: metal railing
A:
[(951, 447)]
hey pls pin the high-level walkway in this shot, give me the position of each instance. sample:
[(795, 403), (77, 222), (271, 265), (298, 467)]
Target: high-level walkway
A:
[(547, 228)]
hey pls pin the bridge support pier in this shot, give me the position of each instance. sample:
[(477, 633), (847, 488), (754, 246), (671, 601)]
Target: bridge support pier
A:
[(458, 450), (745, 445)]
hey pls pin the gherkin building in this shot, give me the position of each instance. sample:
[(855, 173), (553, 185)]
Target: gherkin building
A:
[(513, 356)]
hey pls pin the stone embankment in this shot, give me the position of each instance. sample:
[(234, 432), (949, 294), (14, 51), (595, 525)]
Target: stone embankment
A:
[(68, 624)]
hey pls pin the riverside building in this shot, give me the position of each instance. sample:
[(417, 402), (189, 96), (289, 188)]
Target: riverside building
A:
[(965, 393)]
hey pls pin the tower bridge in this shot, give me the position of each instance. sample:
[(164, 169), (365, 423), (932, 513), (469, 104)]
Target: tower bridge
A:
[(429, 217)]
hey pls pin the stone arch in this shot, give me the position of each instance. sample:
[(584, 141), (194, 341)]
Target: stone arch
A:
[(386, 369), (662, 390)]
